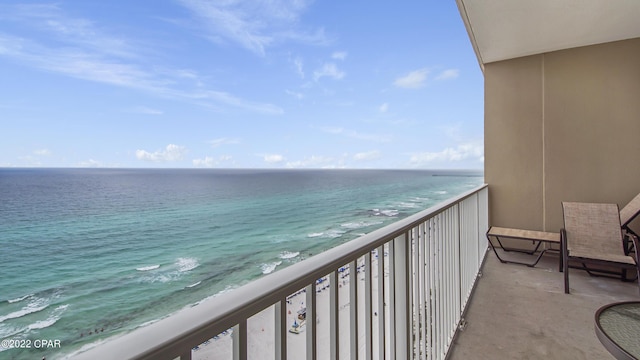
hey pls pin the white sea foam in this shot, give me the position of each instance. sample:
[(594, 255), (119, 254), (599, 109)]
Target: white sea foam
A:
[(89, 346), (194, 284), (163, 278), (288, 255), (33, 307), (187, 264), (389, 212), (19, 299), (440, 192), (6, 331), (269, 268), (360, 224), (410, 205), (55, 316), (42, 324), (147, 268), (170, 273), (22, 312), (226, 290), (332, 234)]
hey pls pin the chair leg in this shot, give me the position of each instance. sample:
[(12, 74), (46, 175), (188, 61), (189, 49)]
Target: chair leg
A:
[(636, 244), (566, 277), (565, 259), (561, 260)]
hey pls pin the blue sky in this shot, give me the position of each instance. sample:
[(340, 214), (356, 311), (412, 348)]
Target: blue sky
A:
[(238, 84)]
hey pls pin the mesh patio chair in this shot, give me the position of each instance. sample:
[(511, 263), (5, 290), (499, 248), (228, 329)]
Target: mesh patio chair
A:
[(592, 235)]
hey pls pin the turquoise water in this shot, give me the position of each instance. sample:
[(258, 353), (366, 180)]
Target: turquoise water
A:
[(88, 254)]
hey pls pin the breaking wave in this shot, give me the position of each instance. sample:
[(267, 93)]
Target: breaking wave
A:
[(52, 319), (288, 254), (147, 268), (269, 268)]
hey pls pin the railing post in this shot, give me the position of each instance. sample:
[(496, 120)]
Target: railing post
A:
[(414, 287), (429, 281), (402, 300), (240, 341), (462, 251), (311, 322), (424, 289), (334, 320), (392, 302), (381, 304), (368, 313), (353, 309), (281, 330)]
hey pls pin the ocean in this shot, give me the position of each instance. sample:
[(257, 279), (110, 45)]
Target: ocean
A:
[(86, 254)]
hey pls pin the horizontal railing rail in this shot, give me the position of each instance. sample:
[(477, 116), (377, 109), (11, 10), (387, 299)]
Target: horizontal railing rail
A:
[(418, 276)]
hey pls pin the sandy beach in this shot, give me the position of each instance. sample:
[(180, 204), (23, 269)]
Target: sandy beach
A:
[(260, 328)]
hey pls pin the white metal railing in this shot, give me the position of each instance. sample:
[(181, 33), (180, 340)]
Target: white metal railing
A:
[(410, 283)]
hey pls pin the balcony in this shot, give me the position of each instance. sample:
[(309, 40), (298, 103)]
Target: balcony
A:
[(519, 312), (413, 280)]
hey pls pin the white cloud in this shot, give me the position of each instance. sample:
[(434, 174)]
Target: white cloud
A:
[(384, 108), (314, 161), (296, 95), (171, 153), (339, 55), (367, 156), (223, 141), (30, 161), (83, 51), (329, 70), (78, 63), (272, 158), (413, 80), (452, 130), (297, 62), (357, 135), (448, 74), (80, 32), (90, 163), (254, 25), (459, 153), (42, 152), (209, 162), (228, 99)]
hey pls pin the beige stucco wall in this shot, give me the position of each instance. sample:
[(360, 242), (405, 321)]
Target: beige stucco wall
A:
[(562, 126)]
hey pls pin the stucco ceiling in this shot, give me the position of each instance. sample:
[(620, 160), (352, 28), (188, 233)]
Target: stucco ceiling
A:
[(506, 29)]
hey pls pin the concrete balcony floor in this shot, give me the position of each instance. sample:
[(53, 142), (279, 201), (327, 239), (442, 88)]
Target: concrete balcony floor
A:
[(518, 312)]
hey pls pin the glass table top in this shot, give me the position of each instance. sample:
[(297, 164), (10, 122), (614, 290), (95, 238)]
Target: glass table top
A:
[(618, 328)]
